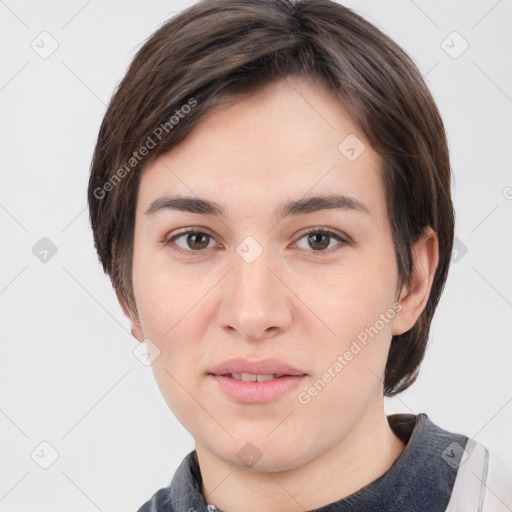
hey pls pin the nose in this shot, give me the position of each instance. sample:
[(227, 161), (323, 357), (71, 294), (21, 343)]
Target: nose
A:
[(255, 304)]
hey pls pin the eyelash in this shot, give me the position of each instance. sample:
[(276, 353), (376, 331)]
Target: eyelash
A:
[(323, 231)]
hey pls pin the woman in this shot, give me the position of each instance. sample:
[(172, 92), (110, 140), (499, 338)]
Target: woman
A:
[(270, 195)]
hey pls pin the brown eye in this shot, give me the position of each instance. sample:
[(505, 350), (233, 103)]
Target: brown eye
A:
[(320, 240), (197, 241), (191, 241)]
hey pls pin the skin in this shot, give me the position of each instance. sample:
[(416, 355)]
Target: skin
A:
[(293, 303)]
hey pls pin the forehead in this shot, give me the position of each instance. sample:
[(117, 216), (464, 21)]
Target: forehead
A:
[(291, 139)]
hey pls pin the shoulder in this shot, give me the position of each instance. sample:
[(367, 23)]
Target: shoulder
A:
[(183, 493), (483, 484), (458, 474), (159, 502)]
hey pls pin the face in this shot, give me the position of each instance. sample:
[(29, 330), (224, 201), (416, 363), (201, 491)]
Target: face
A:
[(312, 286)]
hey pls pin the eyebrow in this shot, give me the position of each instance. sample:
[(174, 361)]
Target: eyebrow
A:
[(296, 207)]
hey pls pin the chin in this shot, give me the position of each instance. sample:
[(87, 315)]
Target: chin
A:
[(276, 461), (255, 453)]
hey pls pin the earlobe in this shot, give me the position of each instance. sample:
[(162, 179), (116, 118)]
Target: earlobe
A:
[(137, 333), (415, 294), (136, 328)]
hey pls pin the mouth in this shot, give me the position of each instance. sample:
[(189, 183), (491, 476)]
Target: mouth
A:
[(256, 382), (251, 377)]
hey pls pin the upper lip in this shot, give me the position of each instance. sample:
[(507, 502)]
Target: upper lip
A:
[(263, 367)]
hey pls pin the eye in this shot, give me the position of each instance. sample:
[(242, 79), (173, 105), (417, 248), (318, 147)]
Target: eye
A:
[(191, 241), (319, 239), (195, 241)]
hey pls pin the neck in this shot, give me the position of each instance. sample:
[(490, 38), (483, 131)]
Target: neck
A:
[(356, 460)]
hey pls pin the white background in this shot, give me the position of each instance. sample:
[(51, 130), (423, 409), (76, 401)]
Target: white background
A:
[(67, 372)]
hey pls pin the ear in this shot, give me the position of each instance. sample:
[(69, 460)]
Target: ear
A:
[(415, 294), (136, 329)]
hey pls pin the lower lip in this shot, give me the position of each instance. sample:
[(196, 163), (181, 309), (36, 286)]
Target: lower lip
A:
[(257, 392)]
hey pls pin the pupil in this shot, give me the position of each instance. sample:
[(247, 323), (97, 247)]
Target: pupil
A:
[(323, 237), (193, 239)]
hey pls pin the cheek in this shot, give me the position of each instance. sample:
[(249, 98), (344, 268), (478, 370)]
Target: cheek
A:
[(169, 305), (349, 365), (170, 315), (166, 295), (352, 298), (357, 303)]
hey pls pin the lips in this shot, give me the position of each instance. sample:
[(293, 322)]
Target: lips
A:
[(256, 382), (243, 369)]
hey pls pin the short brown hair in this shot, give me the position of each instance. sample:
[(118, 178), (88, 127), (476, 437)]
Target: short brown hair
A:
[(218, 50)]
